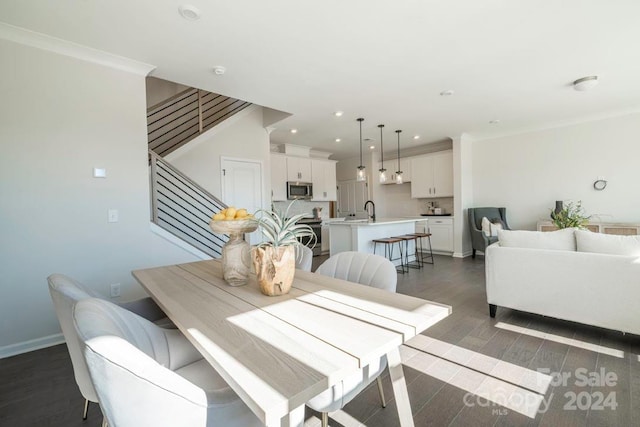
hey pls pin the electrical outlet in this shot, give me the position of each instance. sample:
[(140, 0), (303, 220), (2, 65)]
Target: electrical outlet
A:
[(115, 290)]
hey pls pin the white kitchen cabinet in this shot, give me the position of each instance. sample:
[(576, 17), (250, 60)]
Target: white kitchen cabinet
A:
[(441, 230), (392, 167), (298, 169), (432, 175), (352, 196), (278, 177), (323, 177)]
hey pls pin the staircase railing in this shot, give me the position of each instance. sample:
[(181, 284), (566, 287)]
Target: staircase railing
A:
[(179, 119), (183, 208)]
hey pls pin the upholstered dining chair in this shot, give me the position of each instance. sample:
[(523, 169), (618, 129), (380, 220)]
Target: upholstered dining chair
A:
[(146, 375), (479, 240), (365, 269), (304, 258), (65, 292)]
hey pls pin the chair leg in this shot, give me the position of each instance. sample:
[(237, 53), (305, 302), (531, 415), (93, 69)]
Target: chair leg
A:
[(86, 409), (473, 253), (325, 419), (381, 391)]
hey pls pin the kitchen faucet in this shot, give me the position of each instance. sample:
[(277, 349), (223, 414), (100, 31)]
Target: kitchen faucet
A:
[(373, 205)]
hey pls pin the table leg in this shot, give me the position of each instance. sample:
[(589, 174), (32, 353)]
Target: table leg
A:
[(295, 418), (400, 388)]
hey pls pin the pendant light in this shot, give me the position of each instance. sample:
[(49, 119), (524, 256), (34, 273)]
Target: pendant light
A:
[(382, 170), (398, 172), (361, 176)]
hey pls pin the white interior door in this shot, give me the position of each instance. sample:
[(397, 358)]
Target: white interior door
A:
[(242, 187)]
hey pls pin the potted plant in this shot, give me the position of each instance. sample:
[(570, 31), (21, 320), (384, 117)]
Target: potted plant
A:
[(274, 259), (570, 216)]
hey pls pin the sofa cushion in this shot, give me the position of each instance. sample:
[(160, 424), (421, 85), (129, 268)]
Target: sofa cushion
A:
[(588, 241), (561, 240)]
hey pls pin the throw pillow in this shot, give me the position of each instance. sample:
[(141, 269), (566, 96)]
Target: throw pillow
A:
[(486, 226), (496, 225), (561, 240), (588, 241), (491, 228)]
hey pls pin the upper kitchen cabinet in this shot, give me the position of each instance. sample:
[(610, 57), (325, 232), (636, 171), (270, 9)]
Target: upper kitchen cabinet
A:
[(392, 167), (298, 169), (432, 175), (323, 177), (278, 177)]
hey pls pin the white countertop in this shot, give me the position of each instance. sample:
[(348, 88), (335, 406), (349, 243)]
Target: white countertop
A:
[(378, 221)]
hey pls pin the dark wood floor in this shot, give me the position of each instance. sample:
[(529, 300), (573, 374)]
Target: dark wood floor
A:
[(38, 389)]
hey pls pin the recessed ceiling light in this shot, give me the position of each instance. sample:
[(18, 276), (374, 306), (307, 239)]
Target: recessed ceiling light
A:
[(494, 121), (585, 83), (189, 12), (219, 70), (338, 113), (338, 140), (294, 131), (372, 147), (416, 136), (447, 92)]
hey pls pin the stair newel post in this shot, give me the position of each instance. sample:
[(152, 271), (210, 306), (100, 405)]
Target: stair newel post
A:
[(199, 111)]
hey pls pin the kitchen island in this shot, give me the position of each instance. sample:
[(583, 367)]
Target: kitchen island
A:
[(357, 235)]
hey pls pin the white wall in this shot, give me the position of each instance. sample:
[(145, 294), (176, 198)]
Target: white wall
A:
[(527, 173), (159, 90), (242, 136), (59, 118)]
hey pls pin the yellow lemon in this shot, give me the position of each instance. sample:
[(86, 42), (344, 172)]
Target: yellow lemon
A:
[(241, 213), (231, 212), (219, 216)]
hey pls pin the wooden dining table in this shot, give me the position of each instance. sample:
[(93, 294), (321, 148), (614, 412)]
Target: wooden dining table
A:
[(277, 353)]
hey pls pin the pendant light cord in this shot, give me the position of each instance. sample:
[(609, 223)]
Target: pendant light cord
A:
[(360, 120), (381, 148), (398, 132)]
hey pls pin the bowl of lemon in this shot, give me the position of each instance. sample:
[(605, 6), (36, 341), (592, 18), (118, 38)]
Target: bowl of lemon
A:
[(233, 221), (236, 253)]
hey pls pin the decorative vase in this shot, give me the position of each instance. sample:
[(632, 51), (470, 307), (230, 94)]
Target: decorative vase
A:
[(275, 268), (236, 253), (558, 208)]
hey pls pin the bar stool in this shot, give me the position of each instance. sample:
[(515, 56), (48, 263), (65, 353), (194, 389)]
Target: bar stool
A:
[(407, 238), (388, 243), (422, 255)]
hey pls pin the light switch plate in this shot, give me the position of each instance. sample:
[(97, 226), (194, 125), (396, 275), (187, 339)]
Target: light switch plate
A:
[(99, 173), (113, 215)]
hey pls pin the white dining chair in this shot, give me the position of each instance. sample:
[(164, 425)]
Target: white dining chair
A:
[(304, 258), (365, 269), (65, 292), (147, 376)]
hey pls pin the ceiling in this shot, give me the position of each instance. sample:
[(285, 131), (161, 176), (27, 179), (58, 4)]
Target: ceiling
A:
[(385, 61)]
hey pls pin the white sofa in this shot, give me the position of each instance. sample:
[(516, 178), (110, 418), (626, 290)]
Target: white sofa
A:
[(568, 274)]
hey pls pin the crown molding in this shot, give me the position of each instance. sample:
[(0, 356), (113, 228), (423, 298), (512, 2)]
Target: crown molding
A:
[(74, 50)]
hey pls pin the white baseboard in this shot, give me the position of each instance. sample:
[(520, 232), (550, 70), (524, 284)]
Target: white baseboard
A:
[(462, 254), (31, 345)]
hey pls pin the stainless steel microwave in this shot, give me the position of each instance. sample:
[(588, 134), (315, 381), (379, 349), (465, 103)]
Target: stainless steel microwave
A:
[(299, 190)]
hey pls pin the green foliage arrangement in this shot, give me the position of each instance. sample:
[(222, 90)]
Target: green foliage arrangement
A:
[(571, 216), (279, 229)]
